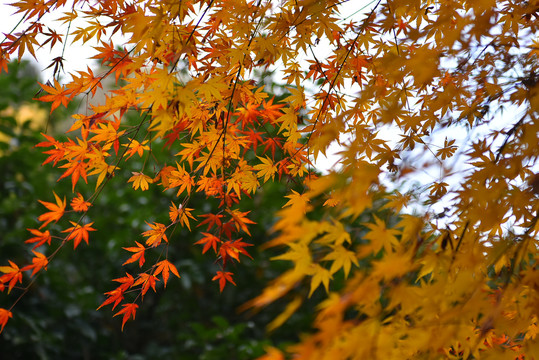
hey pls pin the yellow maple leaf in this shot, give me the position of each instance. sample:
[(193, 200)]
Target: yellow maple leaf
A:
[(320, 275), (380, 237), (140, 180), (266, 169)]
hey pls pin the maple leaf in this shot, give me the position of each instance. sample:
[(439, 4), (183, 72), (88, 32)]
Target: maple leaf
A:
[(55, 154), (58, 63), (134, 147), (104, 170), (392, 265), (209, 241), (12, 273), (76, 169), (87, 82), (233, 249), (147, 281), (140, 180), (271, 111), (165, 267), (180, 178), (138, 254), (380, 236), (223, 277), (39, 262), (78, 233), (56, 211), (342, 258), (438, 189), (165, 176), (58, 95), (116, 296), (212, 220), (129, 310), (126, 281), (320, 276), (226, 251), (5, 315), (24, 41), (448, 150), (300, 254), (248, 114), (267, 169), (39, 238), (107, 132), (298, 201), (79, 204), (240, 220), (156, 234), (182, 214)]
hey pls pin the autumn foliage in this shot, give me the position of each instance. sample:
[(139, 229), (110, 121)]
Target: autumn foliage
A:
[(429, 218)]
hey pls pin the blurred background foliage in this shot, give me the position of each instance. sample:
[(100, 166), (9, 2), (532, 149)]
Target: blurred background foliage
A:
[(58, 318)]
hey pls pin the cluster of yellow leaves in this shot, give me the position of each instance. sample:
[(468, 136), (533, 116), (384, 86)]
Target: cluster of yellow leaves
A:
[(446, 282), (458, 280)]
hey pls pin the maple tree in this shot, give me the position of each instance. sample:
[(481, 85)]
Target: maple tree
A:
[(411, 90)]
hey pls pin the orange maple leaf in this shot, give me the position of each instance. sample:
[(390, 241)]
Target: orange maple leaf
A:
[(55, 213), (239, 246), (116, 295), (39, 237), (135, 147), (128, 311), (78, 233), (240, 220), (165, 267), (76, 169), (12, 273), (55, 154), (181, 213), (146, 280), (156, 234), (211, 220), (79, 204), (223, 277), (232, 249), (138, 254), (4, 61), (39, 262), (5, 315), (126, 281), (209, 240), (57, 94)]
